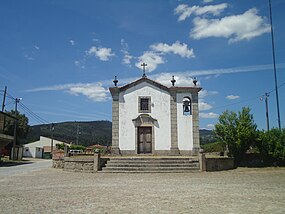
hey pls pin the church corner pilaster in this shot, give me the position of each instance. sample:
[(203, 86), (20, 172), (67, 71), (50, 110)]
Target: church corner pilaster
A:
[(115, 121), (195, 114), (174, 150)]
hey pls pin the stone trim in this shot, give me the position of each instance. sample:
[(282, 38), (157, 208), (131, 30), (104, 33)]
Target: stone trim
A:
[(115, 123), (173, 124), (195, 119), (149, 104)]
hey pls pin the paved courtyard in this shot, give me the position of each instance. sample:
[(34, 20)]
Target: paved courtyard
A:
[(47, 190)]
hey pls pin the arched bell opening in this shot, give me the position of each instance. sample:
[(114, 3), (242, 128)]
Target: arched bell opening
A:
[(187, 106)]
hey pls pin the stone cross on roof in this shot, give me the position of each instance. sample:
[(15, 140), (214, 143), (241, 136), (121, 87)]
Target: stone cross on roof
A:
[(144, 65)]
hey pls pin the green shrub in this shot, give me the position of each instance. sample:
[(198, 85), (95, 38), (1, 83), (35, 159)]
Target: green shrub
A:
[(60, 146), (214, 147), (271, 145), (77, 147)]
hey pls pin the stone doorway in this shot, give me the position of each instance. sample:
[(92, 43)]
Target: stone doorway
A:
[(144, 140)]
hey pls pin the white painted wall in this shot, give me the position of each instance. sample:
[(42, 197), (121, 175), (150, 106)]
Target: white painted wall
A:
[(160, 110), (184, 124)]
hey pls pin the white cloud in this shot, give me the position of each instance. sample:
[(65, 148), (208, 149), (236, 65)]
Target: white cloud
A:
[(184, 11), (127, 58), (209, 115), (103, 54), (94, 92), (125, 50), (237, 27), (164, 78), (204, 93), (176, 48), (72, 42), (37, 47), (232, 97), (181, 79), (79, 64), (152, 59), (204, 106), (243, 69), (28, 57), (211, 126)]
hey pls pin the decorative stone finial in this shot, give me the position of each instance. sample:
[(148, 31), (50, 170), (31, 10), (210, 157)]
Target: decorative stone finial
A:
[(195, 81), (115, 81), (173, 81)]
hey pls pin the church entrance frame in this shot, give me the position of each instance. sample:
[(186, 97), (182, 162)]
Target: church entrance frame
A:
[(144, 125), (144, 141)]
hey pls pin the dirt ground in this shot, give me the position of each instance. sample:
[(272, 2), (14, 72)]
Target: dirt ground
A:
[(243, 190)]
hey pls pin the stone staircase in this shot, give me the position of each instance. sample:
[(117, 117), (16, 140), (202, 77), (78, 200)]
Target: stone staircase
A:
[(152, 164)]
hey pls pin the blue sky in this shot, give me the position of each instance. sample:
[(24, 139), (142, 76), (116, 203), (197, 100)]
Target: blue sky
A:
[(61, 56)]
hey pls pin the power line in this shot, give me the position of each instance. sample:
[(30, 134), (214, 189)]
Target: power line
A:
[(248, 100), (242, 101), (34, 115)]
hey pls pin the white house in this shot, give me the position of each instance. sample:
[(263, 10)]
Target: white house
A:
[(150, 118), (36, 149)]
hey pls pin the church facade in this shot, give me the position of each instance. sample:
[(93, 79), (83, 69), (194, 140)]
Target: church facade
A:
[(150, 118)]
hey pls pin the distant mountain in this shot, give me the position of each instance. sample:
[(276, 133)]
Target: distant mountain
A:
[(89, 133), (206, 136)]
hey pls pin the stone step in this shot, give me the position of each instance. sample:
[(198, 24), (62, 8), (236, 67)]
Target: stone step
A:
[(154, 159), (151, 169), (115, 164), (157, 171), (152, 164)]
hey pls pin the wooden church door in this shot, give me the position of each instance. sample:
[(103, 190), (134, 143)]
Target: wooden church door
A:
[(144, 140)]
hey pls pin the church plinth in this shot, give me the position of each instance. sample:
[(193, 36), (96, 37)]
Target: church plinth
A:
[(174, 151)]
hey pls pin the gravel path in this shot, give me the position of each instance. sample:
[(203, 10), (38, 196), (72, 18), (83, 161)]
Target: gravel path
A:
[(55, 191), (30, 164)]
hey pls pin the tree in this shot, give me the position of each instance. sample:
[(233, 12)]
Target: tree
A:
[(22, 125), (237, 131), (271, 145)]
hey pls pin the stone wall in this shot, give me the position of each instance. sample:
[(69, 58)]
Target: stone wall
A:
[(78, 164), (57, 163), (219, 164)]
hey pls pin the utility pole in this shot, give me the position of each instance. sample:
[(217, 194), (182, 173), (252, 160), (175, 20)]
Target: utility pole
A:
[(77, 134), (274, 64), (17, 100), (4, 98), (266, 109), (51, 146)]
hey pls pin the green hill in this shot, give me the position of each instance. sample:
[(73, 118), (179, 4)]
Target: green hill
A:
[(206, 136), (89, 133)]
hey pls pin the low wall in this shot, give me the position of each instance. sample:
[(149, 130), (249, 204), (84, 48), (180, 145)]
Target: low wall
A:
[(58, 164), (219, 164), (78, 164)]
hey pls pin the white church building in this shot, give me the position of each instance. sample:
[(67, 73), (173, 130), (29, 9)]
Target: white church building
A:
[(150, 118)]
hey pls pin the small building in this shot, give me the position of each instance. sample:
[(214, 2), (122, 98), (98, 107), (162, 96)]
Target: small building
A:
[(150, 118), (40, 148)]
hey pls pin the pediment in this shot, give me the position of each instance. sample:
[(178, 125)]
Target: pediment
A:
[(144, 120)]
